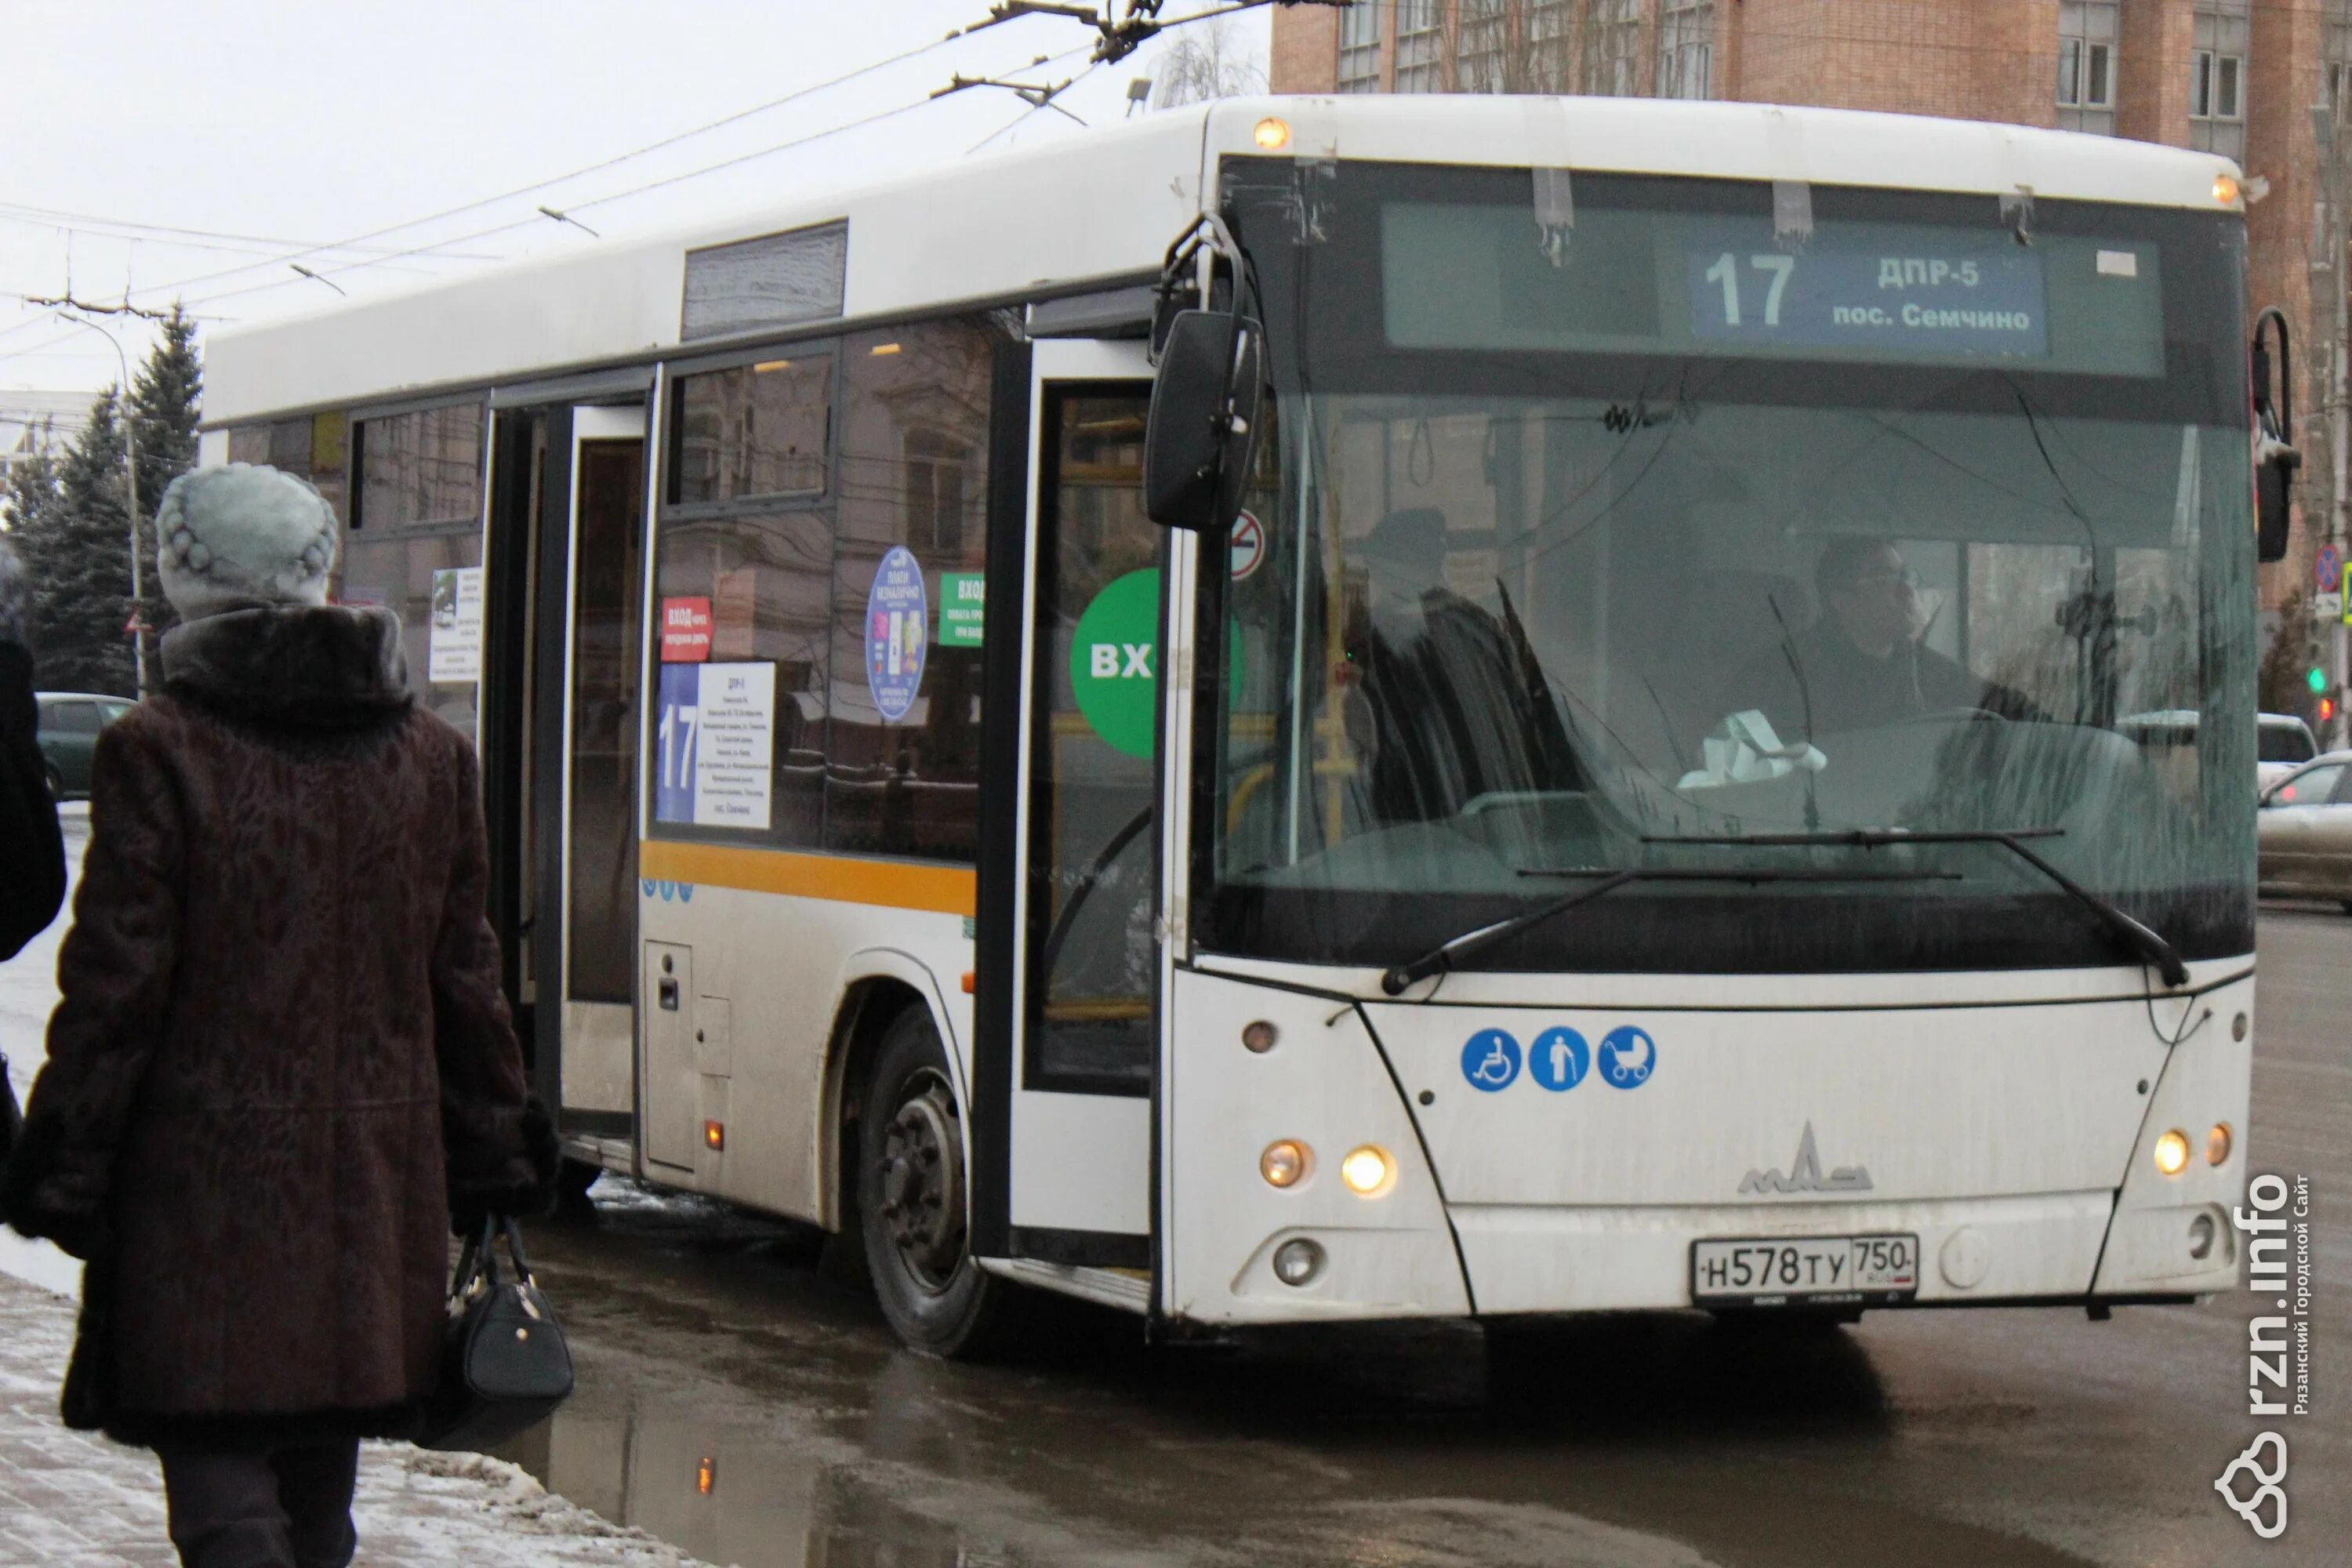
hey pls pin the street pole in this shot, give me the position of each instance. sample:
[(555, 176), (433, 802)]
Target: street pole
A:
[(130, 496)]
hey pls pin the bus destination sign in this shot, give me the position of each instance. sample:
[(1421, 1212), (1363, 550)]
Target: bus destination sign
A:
[(1849, 289)]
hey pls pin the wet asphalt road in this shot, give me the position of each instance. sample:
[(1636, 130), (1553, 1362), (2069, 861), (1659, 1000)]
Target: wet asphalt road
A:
[(741, 1398)]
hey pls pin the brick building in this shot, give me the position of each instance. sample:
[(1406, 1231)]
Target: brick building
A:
[(2236, 77)]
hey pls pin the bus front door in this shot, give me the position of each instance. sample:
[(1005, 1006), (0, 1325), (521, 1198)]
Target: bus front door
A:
[(1066, 1018), (590, 612)]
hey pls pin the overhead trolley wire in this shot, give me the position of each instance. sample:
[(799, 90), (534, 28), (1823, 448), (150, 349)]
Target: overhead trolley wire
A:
[(538, 186)]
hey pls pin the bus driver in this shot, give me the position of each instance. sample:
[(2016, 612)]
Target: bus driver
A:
[(1862, 664)]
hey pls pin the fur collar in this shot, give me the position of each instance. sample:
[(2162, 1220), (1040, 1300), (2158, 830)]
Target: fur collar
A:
[(304, 666)]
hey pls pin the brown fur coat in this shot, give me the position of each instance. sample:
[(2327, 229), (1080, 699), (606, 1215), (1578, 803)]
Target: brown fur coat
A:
[(282, 1054)]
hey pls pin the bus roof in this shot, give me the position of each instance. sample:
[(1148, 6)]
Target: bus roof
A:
[(1095, 210)]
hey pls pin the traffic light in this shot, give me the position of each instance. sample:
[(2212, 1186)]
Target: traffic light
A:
[(2326, 709), (2317, 679)]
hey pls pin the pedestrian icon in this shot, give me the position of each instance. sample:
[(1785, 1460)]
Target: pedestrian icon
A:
[(1558, 1059), (1628, 1055), (1490, 1061)]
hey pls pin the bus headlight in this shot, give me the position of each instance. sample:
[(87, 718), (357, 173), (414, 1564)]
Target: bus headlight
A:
[(1297, 1261), (2172, 1153), (2217, 1143), (1368, 1172), (1284, 1164)]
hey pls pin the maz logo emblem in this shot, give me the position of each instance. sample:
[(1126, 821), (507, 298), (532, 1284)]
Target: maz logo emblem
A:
[(1805, 1174)]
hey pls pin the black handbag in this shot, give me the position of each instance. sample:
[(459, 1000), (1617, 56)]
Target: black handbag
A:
[(505, 1365)]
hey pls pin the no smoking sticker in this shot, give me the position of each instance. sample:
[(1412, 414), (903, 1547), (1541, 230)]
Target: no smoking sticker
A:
[(1248, 549)]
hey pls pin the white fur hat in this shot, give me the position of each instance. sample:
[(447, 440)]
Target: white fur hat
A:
[(243, 536)]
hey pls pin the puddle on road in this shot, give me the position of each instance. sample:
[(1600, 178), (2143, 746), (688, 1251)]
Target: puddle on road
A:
[(747, 1406)]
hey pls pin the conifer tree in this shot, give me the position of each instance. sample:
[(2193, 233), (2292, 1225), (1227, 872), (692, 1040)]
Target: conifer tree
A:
[(166, 398), (70, 524), (78, 555)]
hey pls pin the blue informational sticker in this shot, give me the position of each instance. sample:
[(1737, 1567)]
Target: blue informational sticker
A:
[(674, 731), (1490, 1061), (898, 631), (1628, 1055), (1882, 287), (1558, 1059)]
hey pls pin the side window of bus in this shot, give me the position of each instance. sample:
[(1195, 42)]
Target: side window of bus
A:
[(902, 775), (744, 582), (415, 522), (313, 447)]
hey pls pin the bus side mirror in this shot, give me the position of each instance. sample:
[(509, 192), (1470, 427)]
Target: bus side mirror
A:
[(2274, 466), (2276, 456), (1200, 440)]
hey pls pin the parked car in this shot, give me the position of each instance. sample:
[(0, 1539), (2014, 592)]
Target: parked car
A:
[(71, 722), (2283, 743), (2305, 832)]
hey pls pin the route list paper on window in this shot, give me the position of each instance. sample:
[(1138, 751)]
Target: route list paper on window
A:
[(716, 741)]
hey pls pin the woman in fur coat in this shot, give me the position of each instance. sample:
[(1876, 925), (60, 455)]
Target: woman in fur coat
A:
[(282, 1061)]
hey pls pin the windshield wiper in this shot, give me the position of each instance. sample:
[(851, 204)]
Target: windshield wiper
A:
[(2144, 943), (1439, 959)]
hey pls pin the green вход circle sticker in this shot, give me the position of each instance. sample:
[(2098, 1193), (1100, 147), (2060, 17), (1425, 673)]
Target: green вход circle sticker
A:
[(1115, 662)]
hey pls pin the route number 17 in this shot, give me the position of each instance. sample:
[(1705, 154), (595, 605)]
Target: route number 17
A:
[(1726, 272)]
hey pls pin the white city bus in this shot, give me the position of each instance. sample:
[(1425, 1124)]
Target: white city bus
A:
[(1633, 815)]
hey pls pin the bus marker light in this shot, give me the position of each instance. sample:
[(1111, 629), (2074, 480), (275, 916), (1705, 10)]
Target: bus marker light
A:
[(1272, 135), (971, 979), (2173, 1152), (714, 1135), (2225, 190), (2217, 1143), (1297, 1261), (706, 1477), (1259, 1037), (1284, 1164), (1369, 1171)]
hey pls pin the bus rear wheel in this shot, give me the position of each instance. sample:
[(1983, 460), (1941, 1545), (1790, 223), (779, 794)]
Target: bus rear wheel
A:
[(912, 1187)]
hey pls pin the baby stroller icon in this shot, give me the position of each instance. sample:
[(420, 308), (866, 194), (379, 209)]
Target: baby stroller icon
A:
[(1627, 1056)]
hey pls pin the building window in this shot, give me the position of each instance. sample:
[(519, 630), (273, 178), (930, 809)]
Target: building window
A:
[(2087, 65), (1686, 48), (1551, 46), (1420, 47), (2217, 78), (1359, 46), (1612, 52), (2335, 58), (1482, 57)]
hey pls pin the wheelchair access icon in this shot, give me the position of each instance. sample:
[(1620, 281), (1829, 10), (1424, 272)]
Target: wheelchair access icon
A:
[(1490, 1061)]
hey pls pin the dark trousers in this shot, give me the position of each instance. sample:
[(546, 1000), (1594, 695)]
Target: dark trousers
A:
[(284, 1507)]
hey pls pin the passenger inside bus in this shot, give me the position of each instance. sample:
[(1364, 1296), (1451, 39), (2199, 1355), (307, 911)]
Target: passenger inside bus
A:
[(1453, 702), (1864, 662)]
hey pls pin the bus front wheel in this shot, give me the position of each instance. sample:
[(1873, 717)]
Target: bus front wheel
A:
[(912, 1187)]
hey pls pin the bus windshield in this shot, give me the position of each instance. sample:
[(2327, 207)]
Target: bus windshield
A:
[(1627, 526)]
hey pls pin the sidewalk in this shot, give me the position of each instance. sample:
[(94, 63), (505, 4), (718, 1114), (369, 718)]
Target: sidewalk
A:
[(71, 1499)]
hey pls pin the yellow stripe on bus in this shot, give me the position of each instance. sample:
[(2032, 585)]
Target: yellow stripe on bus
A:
[(894, 884)]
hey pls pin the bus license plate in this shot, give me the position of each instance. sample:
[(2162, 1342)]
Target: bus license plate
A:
[(1805, 1271)]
